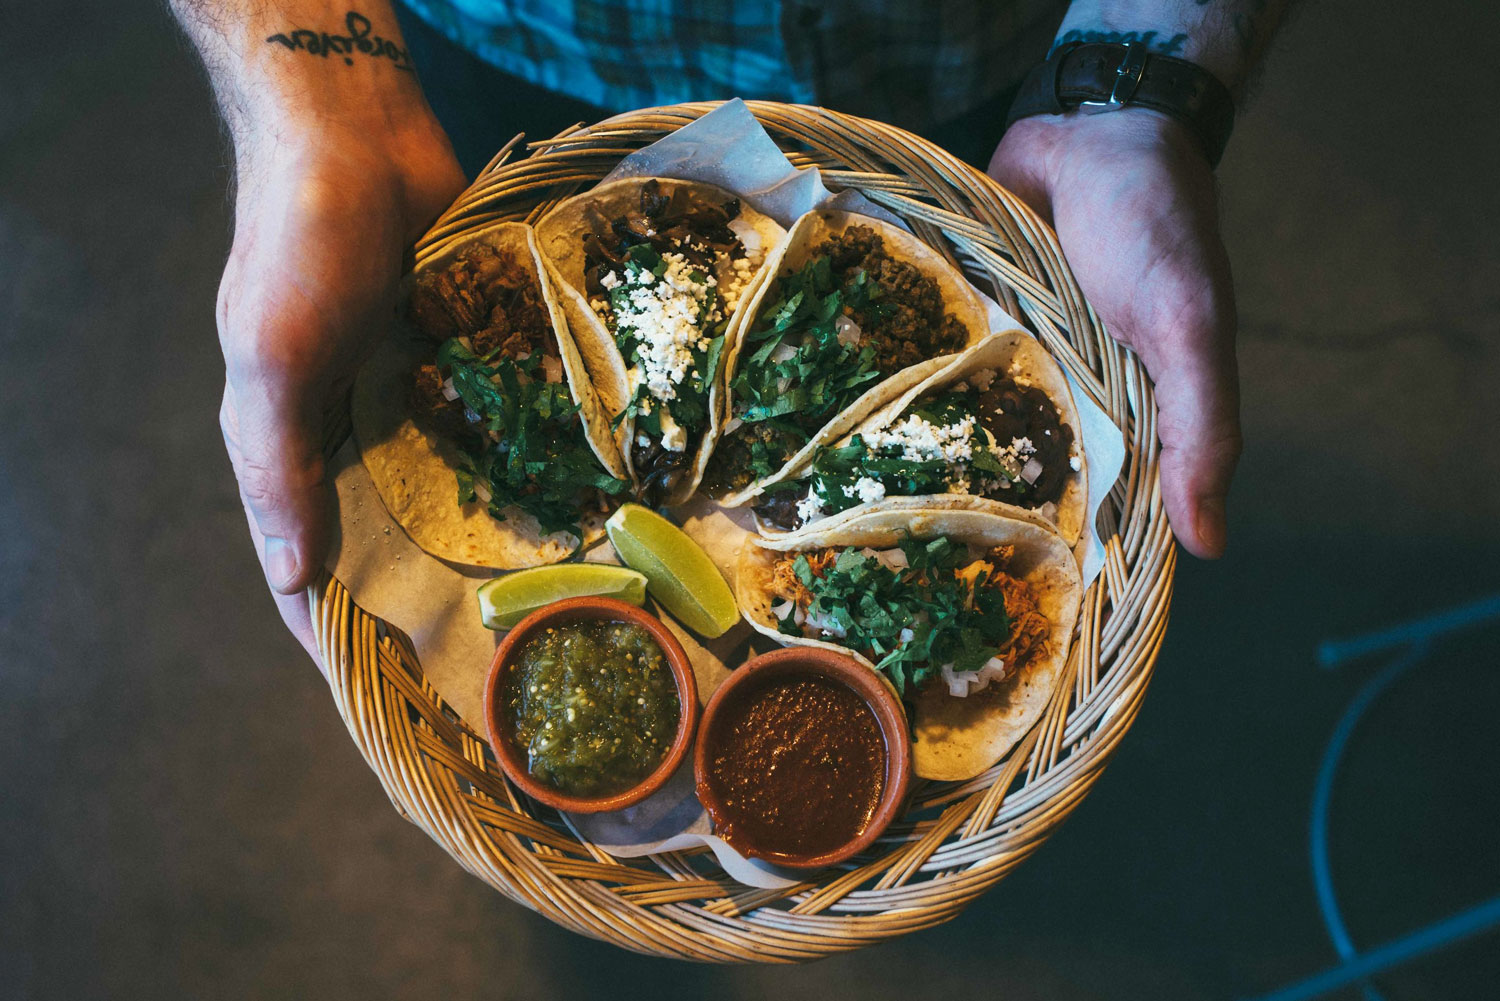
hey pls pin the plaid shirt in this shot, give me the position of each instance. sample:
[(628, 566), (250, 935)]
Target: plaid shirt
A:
[(913, 63)]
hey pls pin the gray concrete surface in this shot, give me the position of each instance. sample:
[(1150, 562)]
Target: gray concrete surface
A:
[(183, 815)]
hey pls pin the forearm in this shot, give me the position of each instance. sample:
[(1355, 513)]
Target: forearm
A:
[(1226, 37), (283, 71)]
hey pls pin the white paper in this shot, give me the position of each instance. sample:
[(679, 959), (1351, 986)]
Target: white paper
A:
[(433, 602)]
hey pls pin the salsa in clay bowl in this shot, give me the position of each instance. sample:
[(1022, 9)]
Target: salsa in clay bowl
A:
[(803, 758), (591, 704)]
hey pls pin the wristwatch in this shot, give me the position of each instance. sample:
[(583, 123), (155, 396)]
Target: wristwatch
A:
[(1108, 76)]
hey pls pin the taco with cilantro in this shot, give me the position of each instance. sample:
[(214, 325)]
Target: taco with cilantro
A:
[(477, 421), (995, 429), (651, 272), (851, 313), (967, 614)]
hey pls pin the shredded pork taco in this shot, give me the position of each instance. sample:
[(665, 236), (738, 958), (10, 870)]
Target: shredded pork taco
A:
[(998, 424), (851, 312), (477, 422), (968, 614), (651, 272)]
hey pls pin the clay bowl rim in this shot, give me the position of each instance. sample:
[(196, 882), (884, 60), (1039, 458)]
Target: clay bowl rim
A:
[(866, 683), (582, 609)]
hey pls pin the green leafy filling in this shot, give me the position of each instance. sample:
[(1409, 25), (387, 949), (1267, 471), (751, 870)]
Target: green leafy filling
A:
[(800, 393), (534, 454), (836, 470), (952, 620)]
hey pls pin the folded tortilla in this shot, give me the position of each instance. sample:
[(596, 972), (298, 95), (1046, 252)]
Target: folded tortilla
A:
[(1011, 353), (806, 234), (413, 470), (955, 738), (559, 236)]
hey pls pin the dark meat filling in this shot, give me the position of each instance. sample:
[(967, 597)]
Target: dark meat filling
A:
[(658, 468), (1009, 410), (488, 296), (679, 222), (907, 322)]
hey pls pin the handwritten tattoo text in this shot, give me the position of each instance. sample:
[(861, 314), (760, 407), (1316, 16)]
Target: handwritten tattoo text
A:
[(358, 41)]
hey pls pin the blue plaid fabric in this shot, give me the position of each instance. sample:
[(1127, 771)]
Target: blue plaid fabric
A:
[(913, 63)]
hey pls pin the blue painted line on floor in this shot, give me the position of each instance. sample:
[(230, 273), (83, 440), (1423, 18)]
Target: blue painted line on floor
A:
[(1317, 837), (1332, 653), (1450, 931)]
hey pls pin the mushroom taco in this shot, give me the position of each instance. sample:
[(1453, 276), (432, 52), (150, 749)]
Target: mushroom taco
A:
[(477, 422), (967, 614), (996, 427), (851, 312), (651, 272)]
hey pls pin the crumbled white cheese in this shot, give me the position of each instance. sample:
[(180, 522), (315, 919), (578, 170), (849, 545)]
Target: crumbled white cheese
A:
[(810, 508), (673, 435), (867, 489), (1075, 463), (920, 440), (670, 318), (982, 379)]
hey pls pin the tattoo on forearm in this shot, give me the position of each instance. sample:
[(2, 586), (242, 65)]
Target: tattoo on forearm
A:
[(1151, 39), (358, 41)]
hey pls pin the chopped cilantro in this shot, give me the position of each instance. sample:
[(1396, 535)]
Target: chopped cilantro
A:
[(952, 620), (535, 455)]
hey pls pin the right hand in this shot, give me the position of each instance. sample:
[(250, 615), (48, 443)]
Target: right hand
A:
[(323, 215)]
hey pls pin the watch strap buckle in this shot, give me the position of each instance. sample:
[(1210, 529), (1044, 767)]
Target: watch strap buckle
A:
[(1127, 79)]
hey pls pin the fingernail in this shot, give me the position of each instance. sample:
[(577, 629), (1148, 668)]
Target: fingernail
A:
[(1210, 524), (281, 563)]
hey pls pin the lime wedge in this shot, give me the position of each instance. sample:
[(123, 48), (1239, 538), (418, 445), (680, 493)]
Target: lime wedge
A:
[(507, 600), (678, 572)]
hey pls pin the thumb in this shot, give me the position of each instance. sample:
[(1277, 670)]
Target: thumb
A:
[(1198, 423), (272, 436)]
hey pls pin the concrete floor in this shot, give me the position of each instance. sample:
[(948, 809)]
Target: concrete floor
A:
[(183, 815)]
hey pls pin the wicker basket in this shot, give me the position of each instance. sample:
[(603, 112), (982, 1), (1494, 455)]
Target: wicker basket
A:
[(957, 840)]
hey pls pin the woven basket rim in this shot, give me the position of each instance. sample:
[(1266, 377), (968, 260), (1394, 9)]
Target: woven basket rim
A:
[(958, 839)]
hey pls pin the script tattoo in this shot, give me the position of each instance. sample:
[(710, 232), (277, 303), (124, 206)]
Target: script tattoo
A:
[(358, 41), (1151, 39)]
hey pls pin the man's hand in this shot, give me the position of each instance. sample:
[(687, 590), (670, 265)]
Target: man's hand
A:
[(1132, 199), (310, 284)]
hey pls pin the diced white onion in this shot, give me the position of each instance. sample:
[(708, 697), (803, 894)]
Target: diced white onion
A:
[(962, 684), (449, 393), (482, 491), (748, 235), (848, 331), (782, 385), (827, 624), (784, 352), (783, 609), (1031, 470), (732, 425), (957, 681), (552, 368)]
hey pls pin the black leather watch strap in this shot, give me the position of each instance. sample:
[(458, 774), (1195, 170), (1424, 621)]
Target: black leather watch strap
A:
[(1106, 76)]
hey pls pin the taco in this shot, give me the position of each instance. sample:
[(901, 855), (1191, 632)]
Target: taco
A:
[(850, 313), (967, 614), (998, 425), (650, 272), (477, 422)]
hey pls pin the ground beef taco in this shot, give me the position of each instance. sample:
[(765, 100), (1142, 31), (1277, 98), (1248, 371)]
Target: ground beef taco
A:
[(997, 425), (968, 614), (477, 422), (651, 272), (851, 312)]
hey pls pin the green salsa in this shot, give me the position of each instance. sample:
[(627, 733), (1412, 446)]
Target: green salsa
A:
[(594, 704)]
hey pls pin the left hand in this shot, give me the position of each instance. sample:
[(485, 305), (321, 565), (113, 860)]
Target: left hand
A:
[(1132, 198)]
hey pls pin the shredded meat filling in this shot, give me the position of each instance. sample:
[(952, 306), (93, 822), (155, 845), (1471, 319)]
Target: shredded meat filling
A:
[(1027, 637)]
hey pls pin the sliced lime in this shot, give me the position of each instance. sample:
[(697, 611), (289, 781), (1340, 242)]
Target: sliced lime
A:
[(507, 600), (678, 572)]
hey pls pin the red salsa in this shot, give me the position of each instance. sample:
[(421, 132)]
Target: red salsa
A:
[(799, 766)]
